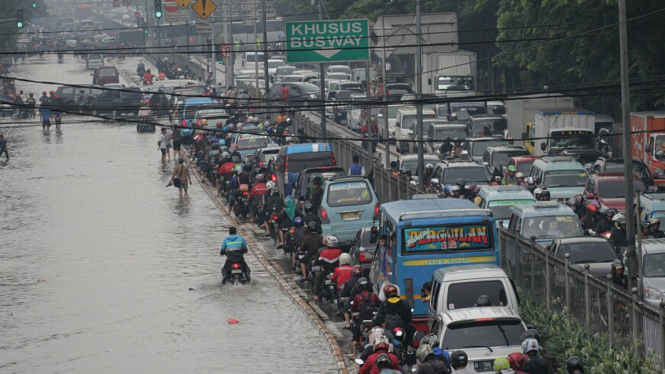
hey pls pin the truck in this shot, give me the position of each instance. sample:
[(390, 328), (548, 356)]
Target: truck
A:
[(520, 110), (449, 74), (648, 142), (132, 36), (560, 129)]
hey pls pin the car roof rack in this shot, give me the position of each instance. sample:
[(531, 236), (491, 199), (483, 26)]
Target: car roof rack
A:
[(443, 213)]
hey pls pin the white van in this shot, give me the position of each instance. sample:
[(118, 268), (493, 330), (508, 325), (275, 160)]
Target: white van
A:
[(253, 58)]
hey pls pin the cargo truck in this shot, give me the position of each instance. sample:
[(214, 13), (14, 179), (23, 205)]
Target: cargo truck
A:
[(449, 74), (132, 36), (558, 130), (521, 110), (648, 142)]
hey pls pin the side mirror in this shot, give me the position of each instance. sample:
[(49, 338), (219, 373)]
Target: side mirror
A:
[(429, 81), (397, 124), (648, 148), (393, 164), (374, 234), (293, 185), (523, 135), (543, 146), (434, 181)]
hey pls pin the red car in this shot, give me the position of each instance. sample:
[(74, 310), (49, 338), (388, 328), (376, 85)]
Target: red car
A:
[(610, 189), (522, 163)]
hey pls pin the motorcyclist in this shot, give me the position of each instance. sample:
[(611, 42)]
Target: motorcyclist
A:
[(429, 364), (140, 68), (350, 291), (618, 236), (285, 219), (591, 219), (310, 245), (225, 171), (311, 216), (520, 179), (233, 247), (619, 278), (517, 360), (574, 365), (487, 130), (381, 347), (510, 178), (606, 224), (274, 203), (462, 186), (545, 196), (256, 196), (535, 364), (343, 272), (328, 260), (458, 361), (317, 194), (655, 228), (457, 149), (365, 303), (576, 203), (396, 312), (645, 230), (446, 147), (384, 365)]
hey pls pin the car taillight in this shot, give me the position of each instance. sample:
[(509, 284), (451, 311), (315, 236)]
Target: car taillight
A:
[(365, 257), (236, 266), (286, 163), (334, 162), (292, 231), (273, 178), (260, 164), (376, 209), (324, 216), (184, 123)]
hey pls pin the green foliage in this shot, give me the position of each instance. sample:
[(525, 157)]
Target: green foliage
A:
[(563, 337)]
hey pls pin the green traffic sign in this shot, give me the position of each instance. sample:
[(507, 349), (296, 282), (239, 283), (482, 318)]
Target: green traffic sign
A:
[(327, 41)]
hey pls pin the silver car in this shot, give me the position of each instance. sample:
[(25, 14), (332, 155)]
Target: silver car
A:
[(653, 260)]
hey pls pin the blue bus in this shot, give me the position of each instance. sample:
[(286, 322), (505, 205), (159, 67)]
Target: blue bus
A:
[(293, 159), (425, 235)]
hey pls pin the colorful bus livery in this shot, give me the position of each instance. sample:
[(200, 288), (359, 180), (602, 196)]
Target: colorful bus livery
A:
[(429, 239)]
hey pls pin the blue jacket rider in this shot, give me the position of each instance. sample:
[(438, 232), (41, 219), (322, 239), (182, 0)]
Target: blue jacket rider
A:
[(234, 247)]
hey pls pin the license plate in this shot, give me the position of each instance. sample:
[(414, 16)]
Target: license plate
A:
[(350, 216), (483, 365), (300, 257), (329, 282), (236, 271), (316, 268)]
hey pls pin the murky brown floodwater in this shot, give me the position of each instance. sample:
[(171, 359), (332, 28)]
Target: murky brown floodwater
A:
[(97, 258)]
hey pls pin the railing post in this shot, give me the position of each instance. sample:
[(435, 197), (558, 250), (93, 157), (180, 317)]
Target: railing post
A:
[(635, 301), (532, 255), (661, 316), (610, 310), (518, 261), (587, 297), (567, 278), (548, 292)]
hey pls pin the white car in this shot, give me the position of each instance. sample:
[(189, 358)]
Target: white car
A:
[(339, 69), (484, 333), (273, 65), (338, 76), (94, 61)]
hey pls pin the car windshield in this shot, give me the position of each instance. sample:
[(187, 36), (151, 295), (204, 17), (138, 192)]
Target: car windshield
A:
[(94, 57), (454, 83), (571, 139), (267, 155), (502, 157), (300, 161), (638, 170), (463, 112), (250, 141), (252, 57), (191, 110), (654, 265), (481, 334), (349, 193), (443, 132), (392, 111), (340, 69), (469, 174), (403, 87), (413, 164), (308, 87), (617, 189), (565, 178), (275, 63), (551, 227), (501, 209), (466, 294), (588, 253), (107, 72), (285, 70), (478, 148), (351, 86), (497, 125), (524, 167)]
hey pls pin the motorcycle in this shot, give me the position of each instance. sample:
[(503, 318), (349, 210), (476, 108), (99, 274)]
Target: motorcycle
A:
[(328, 290), (289, 240), (238, 276), (240, 207), (299, 259), (274, 226)]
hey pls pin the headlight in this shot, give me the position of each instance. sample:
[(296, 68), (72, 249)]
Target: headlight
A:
[(313, 96), (653, 294), (657, 170)]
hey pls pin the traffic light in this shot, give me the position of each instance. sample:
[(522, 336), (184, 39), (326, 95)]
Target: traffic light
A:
[(219, 57), (19, 18), (158, 8), (34, 4)]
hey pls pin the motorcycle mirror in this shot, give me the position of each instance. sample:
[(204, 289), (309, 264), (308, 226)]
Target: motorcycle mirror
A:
[(359, 361)]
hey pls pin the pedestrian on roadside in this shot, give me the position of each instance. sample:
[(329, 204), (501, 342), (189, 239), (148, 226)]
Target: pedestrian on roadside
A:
[(169, 136), (181, 174), (177, 142), (3, 147), (57, 115), (162, 144), (46, 118), (356, 168)]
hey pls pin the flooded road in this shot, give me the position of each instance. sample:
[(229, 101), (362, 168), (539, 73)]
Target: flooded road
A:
[(98, 258)]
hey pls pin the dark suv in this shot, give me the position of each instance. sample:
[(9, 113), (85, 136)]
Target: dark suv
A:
[(300, 93), (117, 102), (68, 94), (496, 158), (473, 172), (615, 165)]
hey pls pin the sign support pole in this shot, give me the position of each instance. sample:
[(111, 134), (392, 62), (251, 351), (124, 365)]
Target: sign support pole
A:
[(419, 93), (384, 81), (213, 65), (266, 98), (322, 80), (368, 121), (256, 56)]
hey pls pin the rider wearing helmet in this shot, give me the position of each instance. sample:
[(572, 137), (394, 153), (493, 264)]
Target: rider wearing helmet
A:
[(328, 259), (619, 276), (381, 348), (535, 364), (350, 291), (576, 203), (310, 245), (285, 219), (365, 303), (455, 191), (273, 205), (343, 272), (501, 365), (545, 196), (510, 178), (606, 224), (618, 236), (429, 169), (458, 361), (429, 364), (655, 228), (396, 311), (311, 216), (574, 365), (591, 218), (256, 197)]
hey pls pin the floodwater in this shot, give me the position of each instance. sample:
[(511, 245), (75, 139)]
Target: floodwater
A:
[(105, 270)]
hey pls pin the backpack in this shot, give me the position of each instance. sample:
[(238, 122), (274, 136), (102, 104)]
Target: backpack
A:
[(366, 308), (393, 318)]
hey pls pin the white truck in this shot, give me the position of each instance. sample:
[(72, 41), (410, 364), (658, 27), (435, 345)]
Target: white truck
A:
[(449, 74), (570, 130), (521, 110)]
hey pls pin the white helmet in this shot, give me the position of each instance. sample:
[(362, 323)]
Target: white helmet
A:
[(374, 333), (332, 241), (344, 259), (270, 185), (530, 345)]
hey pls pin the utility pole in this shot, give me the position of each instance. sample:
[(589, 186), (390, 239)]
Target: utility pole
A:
[(368, 121), (231, 67), (256, 56), (322, 79), (626, 140), (419, 94), (266, 77), (384, 81), (213, 63)]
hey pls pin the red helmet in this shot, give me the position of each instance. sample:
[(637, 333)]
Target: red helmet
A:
[(219, 124), (592, 208), (51, 92), (390, 290), (43, 92)]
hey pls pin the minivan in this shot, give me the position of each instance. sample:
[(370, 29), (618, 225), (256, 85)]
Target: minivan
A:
[(189, 110), (293, 159), (105, 75), (117, 102)]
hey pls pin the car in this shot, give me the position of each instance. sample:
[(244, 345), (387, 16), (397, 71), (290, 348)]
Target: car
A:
[(363, 248), (339, 69), (652, 205), (415, 129), (339, 110), (354, 113), (460, 287), (403, 121), (609, 165), (483, 333), (593, 250), (282, 71), (462, 110), (496, 158), (653, 260), (348, 202), (410, 162), (501, 199), (94, 61), (188, 113), (392, 117), (498, 124), (522, 163), (105, 75), (273, 65), (302, 188), (213, 116), (263, 160), (472, 172), (291, 78), (293, 159), (544, 220), (399, 88), (496, 107), (247, 143), (439, 131), (359, 75), (563, 176), (338, 76), (115, 102), (476, 146), (68, 95), (344, 85), (300, 93), (610, 190)]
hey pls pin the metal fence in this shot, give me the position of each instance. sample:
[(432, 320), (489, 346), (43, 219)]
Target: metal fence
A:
[(597, 304)]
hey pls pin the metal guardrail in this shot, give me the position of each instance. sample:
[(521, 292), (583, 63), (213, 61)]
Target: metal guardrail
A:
[(597, 304)]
